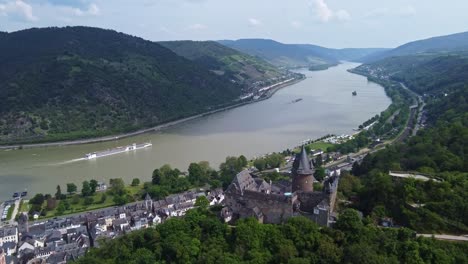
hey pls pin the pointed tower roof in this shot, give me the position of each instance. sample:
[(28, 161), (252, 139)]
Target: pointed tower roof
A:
[(302, 165), (147, 197)]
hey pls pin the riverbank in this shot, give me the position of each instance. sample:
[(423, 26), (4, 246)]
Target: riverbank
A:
[(268, 94)]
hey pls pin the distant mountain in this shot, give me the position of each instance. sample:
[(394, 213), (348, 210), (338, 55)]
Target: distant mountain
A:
[(233, 64), (75, 82), (296, 55), (451, 69), (449, 43)]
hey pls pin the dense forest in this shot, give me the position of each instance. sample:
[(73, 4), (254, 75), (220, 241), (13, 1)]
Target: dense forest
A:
[(76, 82), (439, 151), (244, 69), (200, 237)]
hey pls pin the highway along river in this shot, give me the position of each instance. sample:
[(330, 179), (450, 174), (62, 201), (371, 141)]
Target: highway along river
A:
[(327, 107)]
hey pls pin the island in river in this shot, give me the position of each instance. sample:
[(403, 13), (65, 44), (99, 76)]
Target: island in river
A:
[(254, 129)]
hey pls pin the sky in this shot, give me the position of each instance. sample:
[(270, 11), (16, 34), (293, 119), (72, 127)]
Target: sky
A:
[(329, 23)]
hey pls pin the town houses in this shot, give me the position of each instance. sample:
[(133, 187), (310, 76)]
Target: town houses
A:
[(63, 239)]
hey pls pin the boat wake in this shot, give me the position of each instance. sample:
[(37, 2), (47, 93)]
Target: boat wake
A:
[(67, 162)]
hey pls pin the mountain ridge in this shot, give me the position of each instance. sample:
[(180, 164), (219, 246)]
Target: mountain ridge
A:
[(78, 82), (446, 43)]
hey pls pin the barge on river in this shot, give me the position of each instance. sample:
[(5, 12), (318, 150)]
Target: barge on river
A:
[(117, 150)]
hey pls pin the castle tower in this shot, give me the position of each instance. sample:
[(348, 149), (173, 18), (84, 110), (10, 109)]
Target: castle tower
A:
[(148, 202), (302, 173)]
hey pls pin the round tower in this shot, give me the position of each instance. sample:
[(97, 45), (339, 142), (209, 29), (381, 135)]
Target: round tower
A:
[(302, 173)]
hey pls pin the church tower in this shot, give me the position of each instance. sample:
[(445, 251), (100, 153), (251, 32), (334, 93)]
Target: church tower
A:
[(302, 173)]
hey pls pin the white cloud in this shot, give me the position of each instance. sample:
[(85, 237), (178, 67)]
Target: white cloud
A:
[(18, 8), (196, 27), (326, 14), (296, 24), (93, 10), (253, 22)]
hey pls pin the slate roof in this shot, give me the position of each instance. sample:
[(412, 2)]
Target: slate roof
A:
[(301, 164)]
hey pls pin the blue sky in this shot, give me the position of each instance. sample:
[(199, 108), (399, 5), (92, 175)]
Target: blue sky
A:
[(331, 23)]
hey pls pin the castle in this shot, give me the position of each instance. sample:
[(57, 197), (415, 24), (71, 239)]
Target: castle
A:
[(249, 196)]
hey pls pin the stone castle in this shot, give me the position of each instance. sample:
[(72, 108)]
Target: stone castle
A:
[(249, 196)]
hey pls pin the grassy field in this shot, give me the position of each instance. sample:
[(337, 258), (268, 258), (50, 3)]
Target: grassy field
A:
[(77, 202), (320, 145), (317, 145)]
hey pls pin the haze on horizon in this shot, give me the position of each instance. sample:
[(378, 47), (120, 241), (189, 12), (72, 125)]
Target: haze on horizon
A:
[(329, 23)]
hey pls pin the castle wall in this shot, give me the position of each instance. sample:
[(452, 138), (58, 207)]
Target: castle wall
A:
[(303, 183), (275, 208)]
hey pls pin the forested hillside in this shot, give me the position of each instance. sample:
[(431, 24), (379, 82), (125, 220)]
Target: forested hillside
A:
[(297, 55), (244, 69), (449, 71), (75, 82), (439, 151), (200, 237), (450, 43)]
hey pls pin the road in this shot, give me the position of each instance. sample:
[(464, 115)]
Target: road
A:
[(445, 237), (15, 211)]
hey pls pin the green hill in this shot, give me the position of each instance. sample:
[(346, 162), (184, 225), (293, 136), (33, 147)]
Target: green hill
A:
[(449, 71), (296, 55), (449, 43), (239, 67), (75, 82), (438, 150)]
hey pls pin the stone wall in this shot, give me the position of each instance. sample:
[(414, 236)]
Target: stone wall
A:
[(275, 208)]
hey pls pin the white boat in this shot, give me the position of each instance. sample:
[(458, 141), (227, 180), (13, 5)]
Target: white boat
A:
[(117, 150)]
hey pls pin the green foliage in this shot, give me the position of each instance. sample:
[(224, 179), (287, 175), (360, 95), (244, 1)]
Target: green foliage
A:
[(243, 68), (93, 185), (58, 194), (439, 150), (229, 169), (38, 199), (88, 201), (200, 237), (86, 189), (202, 202), (135, 182), (71, 188), (319, 173), (271, 161), (79, 82)]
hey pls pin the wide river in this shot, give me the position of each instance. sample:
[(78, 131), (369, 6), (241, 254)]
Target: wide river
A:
[(271, 125)]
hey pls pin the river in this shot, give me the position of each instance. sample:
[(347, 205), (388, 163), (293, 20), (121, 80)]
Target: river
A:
[(271, 125)]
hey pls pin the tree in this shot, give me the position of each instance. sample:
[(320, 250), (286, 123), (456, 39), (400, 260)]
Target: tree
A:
[(86, 189), (60, 209), (157, 177), (242, 160), (135, 182), (58, 194), (319, 174), (103, 198), (88, 201), (196, 174), (38, 199), (202, 202), (71, 188), (117, 186), (93, 185), (319, 160)]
